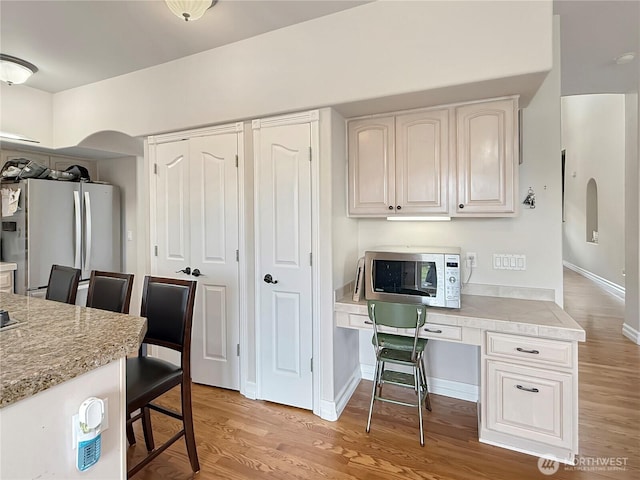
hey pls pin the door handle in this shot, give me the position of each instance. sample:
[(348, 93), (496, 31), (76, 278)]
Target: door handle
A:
[(269, 279), (186, 270), (196, 273)]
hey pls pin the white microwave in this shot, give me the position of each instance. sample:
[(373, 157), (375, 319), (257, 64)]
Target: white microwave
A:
[(425, 275)]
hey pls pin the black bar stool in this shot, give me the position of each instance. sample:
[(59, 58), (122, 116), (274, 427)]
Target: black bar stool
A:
[(167, 304), (110, 291), (63, 284)]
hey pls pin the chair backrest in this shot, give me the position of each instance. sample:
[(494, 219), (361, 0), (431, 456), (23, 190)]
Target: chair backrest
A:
[(167, 303), (63, 284), (110, 291), (398, 315)]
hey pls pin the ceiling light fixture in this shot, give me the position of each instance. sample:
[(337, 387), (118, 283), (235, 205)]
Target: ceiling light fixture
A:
[(625, 58), (190, 10), (15, 70)]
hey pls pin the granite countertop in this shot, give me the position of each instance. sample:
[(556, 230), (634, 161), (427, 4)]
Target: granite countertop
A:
[(54, 342), (509, 315)]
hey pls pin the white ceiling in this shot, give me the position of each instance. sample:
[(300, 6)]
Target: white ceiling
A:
[(593, 34), (79, 42), (74, 43)]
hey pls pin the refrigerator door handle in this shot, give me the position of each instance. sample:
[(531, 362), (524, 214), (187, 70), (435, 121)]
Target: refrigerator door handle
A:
[(87, 209), (78, 212)]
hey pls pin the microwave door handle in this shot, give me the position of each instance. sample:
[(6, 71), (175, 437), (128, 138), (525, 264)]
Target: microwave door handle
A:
[(87, 207), (78, 228)]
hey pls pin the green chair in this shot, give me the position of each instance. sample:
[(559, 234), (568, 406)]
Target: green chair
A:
[(399, 350)]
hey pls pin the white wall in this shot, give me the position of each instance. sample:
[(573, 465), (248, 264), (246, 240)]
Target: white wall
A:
[(593, 135), (122, 172), (632, 220), (344, 256), (376, 50), (534, 232)]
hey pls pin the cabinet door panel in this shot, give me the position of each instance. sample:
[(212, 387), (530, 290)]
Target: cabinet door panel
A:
[(531, 403), (486, 153), (371, 166), (422, 155)]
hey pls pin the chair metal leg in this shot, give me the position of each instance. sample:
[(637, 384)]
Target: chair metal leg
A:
[(373, 394), (423, 374), (187, 421), (146, 429), (417, 374)]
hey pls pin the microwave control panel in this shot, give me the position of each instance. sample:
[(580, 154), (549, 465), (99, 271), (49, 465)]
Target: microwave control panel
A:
[(452, 280)]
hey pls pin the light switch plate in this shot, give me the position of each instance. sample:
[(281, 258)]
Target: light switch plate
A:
[(506, 261)]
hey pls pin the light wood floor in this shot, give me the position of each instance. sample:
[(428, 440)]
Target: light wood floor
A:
[(246, 439)]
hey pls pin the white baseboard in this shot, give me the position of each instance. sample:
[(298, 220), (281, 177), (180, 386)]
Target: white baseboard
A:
[(631, 333), (332, 410), (249, 390), (438, 386), (613, 288)]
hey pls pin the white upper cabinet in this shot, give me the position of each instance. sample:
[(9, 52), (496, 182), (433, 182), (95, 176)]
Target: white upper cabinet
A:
[(398, 164), (422, 161), (487, 152), (372, 167), (457, 160)]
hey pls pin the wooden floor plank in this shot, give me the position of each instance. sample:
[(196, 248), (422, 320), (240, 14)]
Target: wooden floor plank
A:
[(241, 439)]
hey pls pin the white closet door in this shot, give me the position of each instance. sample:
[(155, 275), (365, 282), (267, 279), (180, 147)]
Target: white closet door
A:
[(172, 208), (283, 220), (214, 241)]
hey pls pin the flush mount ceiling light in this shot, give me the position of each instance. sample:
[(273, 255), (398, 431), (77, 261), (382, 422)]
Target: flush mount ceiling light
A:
[(190, 10), (625, 58), (15, 70)]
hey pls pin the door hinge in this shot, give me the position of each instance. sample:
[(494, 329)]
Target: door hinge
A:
[(237, 255), (311, 362), (311, 259), (238, 349), (309, 153), (155, 168), (155, 250), (236, 160)]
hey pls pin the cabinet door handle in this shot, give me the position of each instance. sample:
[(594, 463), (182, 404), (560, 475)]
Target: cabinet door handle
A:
[(535, 352), (399, 207), (532, 390), (432, 331), (461, 205), (368, 322), (390, 207)]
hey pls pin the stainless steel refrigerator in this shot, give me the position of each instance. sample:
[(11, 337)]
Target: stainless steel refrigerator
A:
[(57, 222)]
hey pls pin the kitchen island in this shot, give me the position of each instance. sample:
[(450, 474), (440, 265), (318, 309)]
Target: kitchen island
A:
[(51, 359), (528, 352)]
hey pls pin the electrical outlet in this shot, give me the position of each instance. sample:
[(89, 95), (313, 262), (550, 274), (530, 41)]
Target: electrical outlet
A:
[(472, 259)]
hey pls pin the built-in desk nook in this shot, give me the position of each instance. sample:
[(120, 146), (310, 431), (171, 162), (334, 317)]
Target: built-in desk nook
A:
[(529, 367)]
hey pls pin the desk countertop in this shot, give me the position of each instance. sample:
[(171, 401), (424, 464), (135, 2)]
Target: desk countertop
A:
[(509, 315), (54, 342), (7, 267)]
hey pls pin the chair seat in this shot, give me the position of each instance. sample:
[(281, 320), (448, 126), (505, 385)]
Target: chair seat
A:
[(398, 342), (146, 376)]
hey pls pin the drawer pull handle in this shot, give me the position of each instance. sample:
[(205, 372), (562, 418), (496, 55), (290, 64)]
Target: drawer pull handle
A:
[(368, 322), (432, 331), (535, 352), (532, 390)]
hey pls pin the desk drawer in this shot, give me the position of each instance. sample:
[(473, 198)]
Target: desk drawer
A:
[(6, 282), (551, 352), (435, 331), (363, 321)]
